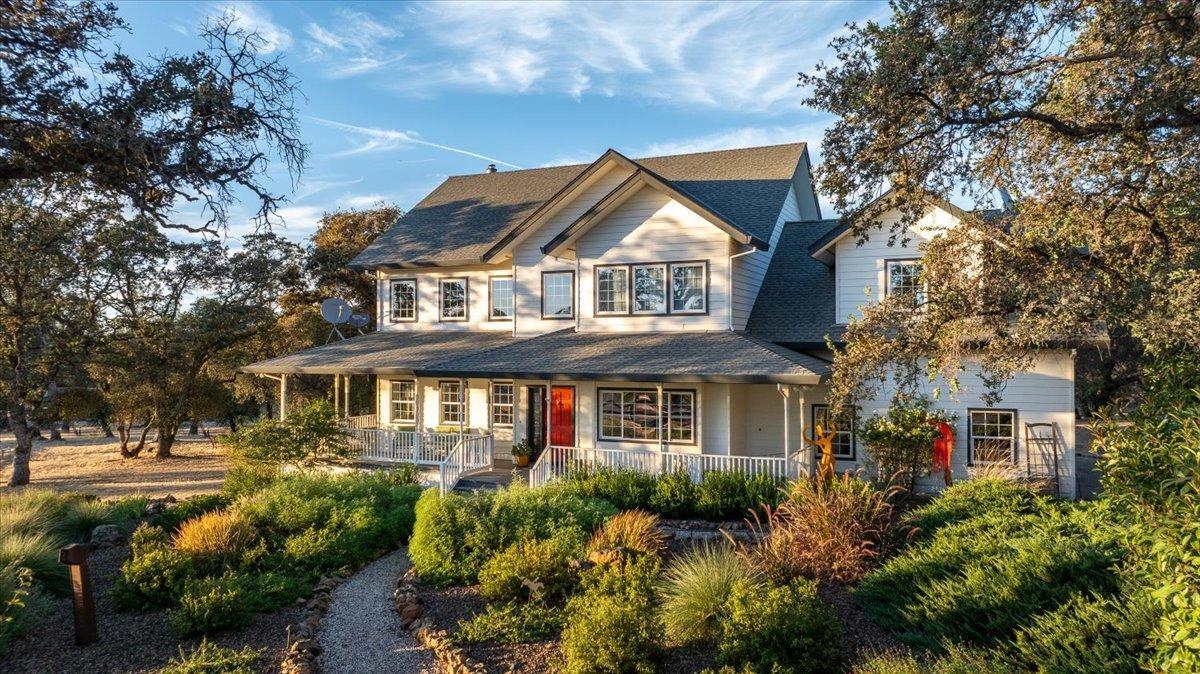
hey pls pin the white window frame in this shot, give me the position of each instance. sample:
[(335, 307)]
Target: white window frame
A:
[(392, 301), (633, 288), (703, 265), (819, 414), (920, 294), (466, 308), (512, 298), (460, 403), (395, 400), (571, 294), (617, 296), (662, 418), (499, 408), (972, 437)]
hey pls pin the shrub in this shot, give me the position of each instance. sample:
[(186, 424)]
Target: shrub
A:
[(511, 623), (970, 499), (1102, 636), (633, 530), (79, 517), (190, 508), (533, 568), (33, 511), (836, 530), (308, 435), (209, 605), (209, 658), (695, 591), (20, 603), (674, 495), (734, 495), (780, 630), (957, 660), (37, 552), (244, 479), (900, 443), (456, 534), (129, 507), (626, 489), (154, 572), (613, 628), (216, 538)]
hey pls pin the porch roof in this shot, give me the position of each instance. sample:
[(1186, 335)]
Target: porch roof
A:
[(382, 352), (692, 356)]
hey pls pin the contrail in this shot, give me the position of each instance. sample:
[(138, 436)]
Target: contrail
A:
[(383, 138)]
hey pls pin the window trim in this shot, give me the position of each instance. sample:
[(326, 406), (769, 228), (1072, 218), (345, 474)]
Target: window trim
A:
[(853, 432), (596, 289), (703, 264), (511, 405), (666, 270), (392, 300), (462, 403), (887, 276), (392, 420), (466, 283), (695, 393), (542, 294), (490, 296), (1016, 437)]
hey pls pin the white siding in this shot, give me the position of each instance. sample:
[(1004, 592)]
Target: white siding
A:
[(750, 270), (428, 314), (860, 270), (652, 227)]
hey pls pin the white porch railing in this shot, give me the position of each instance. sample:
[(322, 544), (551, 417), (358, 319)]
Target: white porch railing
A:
[(451, 453), (363, 421), (559, 462), (474, 452)]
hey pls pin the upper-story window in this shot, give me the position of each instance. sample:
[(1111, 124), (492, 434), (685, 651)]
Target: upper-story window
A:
[(650, 289), (452, 299), (558, 294), (404, 300), (500, 298), (612, 290), (904, 280), (689, 288)]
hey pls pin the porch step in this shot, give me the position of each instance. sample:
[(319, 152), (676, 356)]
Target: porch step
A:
[(490, 480)]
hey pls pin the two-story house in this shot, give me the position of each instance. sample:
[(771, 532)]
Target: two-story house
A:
[(643, 313)]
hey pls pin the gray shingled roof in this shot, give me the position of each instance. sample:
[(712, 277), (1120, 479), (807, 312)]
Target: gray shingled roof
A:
[(465, 215), (383, 352), (796, 302), (622, 356)]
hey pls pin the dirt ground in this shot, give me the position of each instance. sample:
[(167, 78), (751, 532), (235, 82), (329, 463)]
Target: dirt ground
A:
[(91, 464)]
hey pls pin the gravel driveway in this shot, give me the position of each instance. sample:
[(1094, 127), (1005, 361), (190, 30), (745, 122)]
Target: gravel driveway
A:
[(361, 632)]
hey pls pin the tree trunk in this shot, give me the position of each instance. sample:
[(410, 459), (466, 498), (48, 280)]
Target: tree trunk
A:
[(55, 431), (24, 436), (193, 427), (166, 438), (106, 426), (232, 422)]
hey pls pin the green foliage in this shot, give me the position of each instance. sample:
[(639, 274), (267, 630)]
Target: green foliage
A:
[(780, 629), (310, 434), (533, 568), (721, 496), (613, 627), (455, 534), (900, 443), (20, 603), (1084, 635), (216, 538), (957, 660), (971, 499), (632, 530), (511, 623), (209, 605), (81, 516), (245, 478), (129, 507), (734, 495), (626, 489), (695, 591), (674, 495), (209, 658), (190, 508), (37, 552), (154, 573)]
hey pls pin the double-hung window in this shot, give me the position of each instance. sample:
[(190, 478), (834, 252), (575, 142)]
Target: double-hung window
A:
[(452, 408), (904, 280), (650, 289), (636, 415), (404, 300), (843, 441), (612, 290), (404, 402), (500, 298), (503, 397), (689, 285), (558, 294), (452, 299), (993, 436)]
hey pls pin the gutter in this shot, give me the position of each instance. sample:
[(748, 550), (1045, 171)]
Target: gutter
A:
[(729, 304)]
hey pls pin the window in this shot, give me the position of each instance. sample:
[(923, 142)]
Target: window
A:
[(502, 404), (904, 280), (993, 436), (636, 415), (404, 402), (558, 294), (843, 442), (453, 299), (612, 290), (500, 294), (650, 289), (688, 288), (450, 399), (404, 299)]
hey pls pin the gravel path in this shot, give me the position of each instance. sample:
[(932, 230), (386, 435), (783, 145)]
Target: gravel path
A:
[(361, 632)]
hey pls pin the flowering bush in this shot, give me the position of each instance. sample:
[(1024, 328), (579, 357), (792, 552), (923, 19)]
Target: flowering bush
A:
[(900, 443)]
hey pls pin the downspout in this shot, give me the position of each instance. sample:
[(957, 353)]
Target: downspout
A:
[(578, 296), (729, 286)]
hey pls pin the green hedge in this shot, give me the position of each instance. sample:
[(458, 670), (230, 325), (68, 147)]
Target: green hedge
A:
[(721, 496)]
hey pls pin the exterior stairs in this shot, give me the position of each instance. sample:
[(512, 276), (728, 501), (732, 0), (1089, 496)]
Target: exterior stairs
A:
[(501, 474)]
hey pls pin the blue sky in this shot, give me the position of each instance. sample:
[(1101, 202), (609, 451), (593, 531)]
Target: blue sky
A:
[(399, 96)]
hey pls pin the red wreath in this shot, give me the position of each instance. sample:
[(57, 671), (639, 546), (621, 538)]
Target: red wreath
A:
[(943, 448)]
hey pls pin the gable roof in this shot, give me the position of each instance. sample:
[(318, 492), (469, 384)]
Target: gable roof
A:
[(795, 304), (464, 218), (820, 248)]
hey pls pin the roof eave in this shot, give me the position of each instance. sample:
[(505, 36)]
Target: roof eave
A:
[(809, 378)]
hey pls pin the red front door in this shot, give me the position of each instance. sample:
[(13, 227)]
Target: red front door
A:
[(562, 416)]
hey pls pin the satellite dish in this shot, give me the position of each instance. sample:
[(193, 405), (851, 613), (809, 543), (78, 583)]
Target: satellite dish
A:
[(336, 310), (359, 321)]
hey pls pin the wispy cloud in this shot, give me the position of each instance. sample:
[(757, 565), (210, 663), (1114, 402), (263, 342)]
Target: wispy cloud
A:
[(372, 139), (746, 136), (352, 44), (363, 200), (254, 18)]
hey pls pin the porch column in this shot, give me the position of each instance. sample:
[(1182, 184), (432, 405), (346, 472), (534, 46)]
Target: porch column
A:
[(464, 399), (346, 395), (786, 392), (662, 409), (283, 385), (337, 407), (810, 454)]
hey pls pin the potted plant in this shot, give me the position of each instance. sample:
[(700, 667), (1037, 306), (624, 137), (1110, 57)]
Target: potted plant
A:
[(521, 453)]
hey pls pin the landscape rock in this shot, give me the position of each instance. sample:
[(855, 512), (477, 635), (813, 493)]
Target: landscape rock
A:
[(106, 535)]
